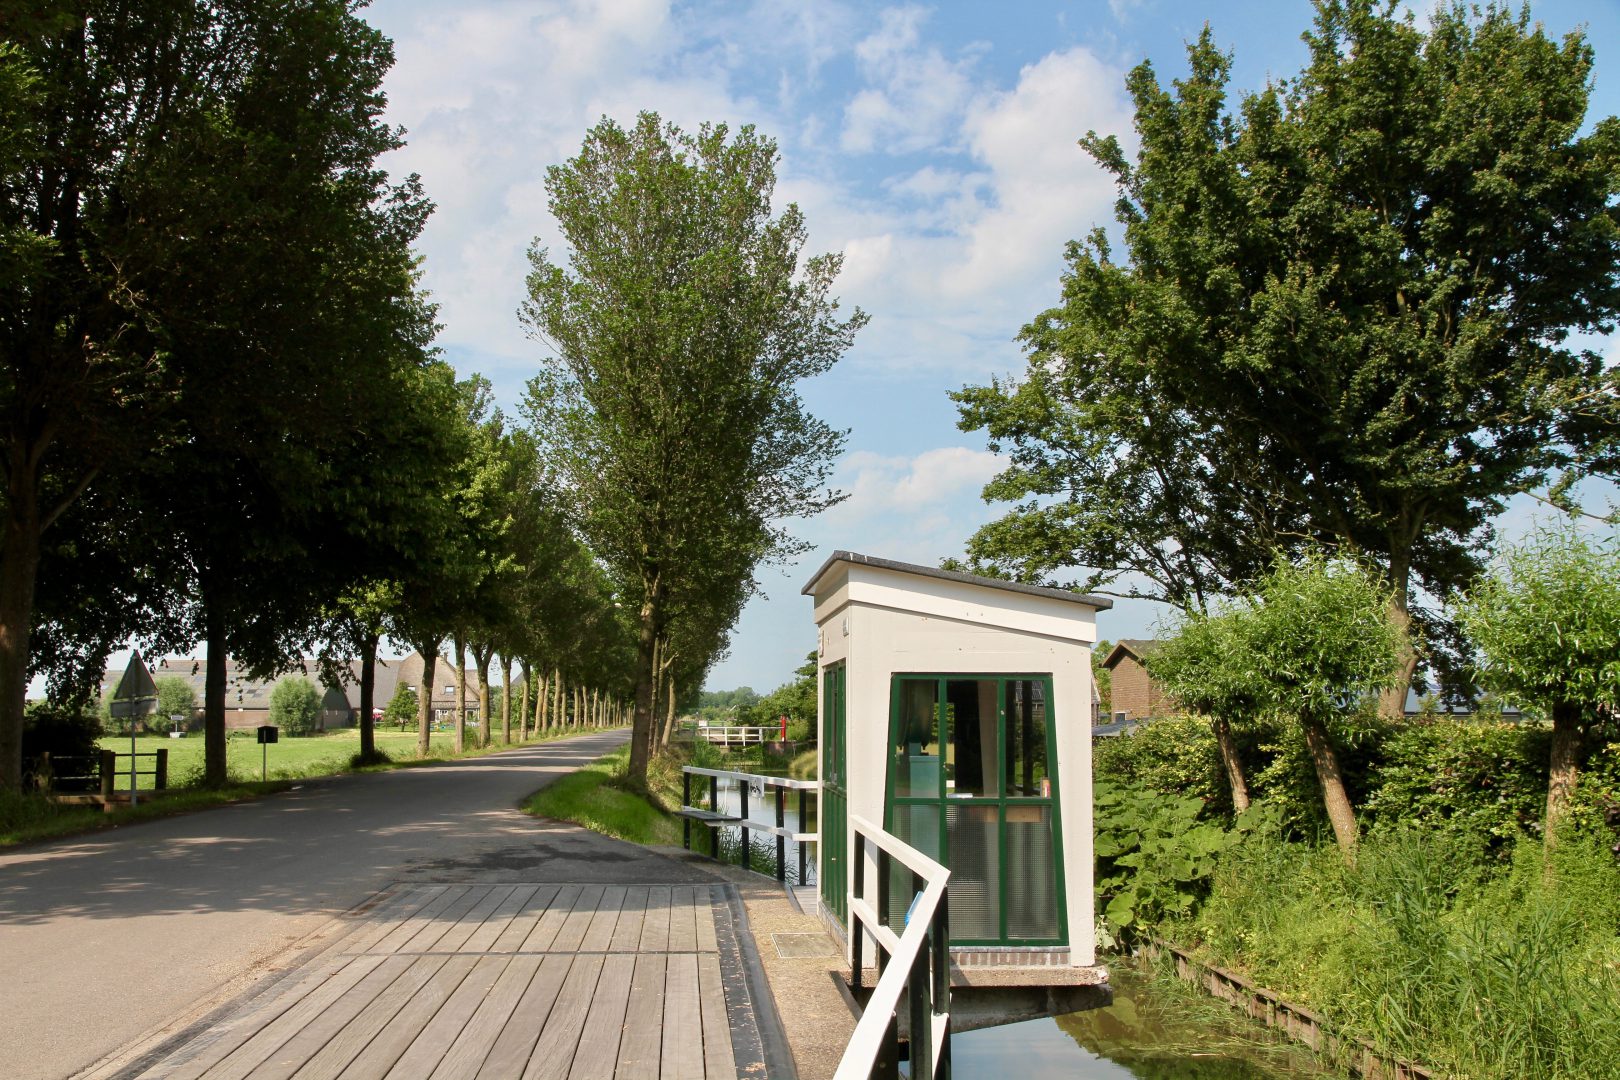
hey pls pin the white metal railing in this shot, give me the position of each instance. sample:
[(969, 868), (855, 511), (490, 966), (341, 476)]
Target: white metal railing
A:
[(746, 782), (915, 963)]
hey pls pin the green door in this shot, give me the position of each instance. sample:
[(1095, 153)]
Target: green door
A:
[(834, 808), (969, 784)]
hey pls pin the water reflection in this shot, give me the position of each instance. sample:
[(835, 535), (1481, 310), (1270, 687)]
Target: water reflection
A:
[(1150, 1032)]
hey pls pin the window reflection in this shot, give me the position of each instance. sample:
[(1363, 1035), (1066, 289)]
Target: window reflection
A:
[(916, 749)]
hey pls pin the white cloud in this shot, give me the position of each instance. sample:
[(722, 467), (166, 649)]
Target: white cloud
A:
[(925, 483), (916, 94), (1045, 188)]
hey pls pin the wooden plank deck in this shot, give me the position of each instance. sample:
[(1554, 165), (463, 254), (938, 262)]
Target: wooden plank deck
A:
[(519, 981)]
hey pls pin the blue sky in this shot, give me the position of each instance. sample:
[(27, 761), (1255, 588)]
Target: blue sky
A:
[(934, 145)]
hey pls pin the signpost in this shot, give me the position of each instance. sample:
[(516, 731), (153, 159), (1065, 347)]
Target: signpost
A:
[(135, 697), (268, 734)]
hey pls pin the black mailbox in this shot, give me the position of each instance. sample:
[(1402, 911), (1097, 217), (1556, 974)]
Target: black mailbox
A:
[(268, 733)]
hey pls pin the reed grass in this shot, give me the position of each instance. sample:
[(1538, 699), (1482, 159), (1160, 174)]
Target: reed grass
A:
[(1432, 953)]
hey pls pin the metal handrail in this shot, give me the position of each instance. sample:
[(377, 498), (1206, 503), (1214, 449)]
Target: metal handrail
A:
[(762, 779), (915, 963), (746, 780)]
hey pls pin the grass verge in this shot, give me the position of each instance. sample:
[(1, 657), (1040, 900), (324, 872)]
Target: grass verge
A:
[(28, 817), (597, 797)]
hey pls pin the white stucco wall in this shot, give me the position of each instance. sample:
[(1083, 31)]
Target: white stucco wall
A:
[(883, 622)]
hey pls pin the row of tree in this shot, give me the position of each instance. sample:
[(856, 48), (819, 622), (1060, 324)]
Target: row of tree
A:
[(222, 419), (1344, 322), (1313, 640)]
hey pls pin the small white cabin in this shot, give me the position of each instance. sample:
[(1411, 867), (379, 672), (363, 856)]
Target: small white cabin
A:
[(956, 710)]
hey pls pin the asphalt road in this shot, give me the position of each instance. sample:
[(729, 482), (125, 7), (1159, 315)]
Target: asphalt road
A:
[(105, 938)]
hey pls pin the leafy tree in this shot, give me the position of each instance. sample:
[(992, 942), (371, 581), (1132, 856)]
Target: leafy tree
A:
[(214, 282), (681, 325), (401, 708), (1320, 637), (1343, 319), (1547, 620), (295, 705), (175, 697), (795, 700), (1208, 665)]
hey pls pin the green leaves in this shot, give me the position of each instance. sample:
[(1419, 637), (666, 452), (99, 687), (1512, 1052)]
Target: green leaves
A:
[(1547, 619), (1340, 318), (1154, 855), (680, 325)]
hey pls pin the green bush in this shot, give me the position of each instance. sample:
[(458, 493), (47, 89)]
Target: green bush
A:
[(1285, 776), (295, 705), (1155, 854), (1482, 780), (1175, 755), (62, 731), (402, 708)]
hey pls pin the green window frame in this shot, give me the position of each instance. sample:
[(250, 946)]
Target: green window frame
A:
[(908, 735)]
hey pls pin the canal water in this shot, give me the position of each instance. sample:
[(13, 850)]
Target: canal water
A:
[(1152, 1031)]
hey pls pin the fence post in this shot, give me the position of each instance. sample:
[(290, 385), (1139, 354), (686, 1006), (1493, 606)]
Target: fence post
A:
[(742, 828), (859, 866), (801, 843), (686, 800), (109, 767), (161, 781), (781, 841)]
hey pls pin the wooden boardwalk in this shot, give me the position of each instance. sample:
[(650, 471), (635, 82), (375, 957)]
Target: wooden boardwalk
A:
[(538, 982)]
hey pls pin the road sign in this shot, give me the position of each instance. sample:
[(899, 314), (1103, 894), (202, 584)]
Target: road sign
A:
[(136, 696)]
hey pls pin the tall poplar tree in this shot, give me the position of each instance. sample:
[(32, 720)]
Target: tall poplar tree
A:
[(681, 320), (1343, 317)]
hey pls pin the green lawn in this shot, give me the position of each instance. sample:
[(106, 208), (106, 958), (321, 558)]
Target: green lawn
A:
[(27, 817), (289, 759)]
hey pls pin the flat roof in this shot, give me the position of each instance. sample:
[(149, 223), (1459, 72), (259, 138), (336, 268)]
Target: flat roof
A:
[(1101, 603)]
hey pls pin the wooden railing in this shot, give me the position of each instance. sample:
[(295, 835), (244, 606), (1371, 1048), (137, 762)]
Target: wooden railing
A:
[(713, 817), (737, 734), (915, 963)]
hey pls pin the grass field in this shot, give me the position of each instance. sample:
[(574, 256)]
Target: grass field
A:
[(289, 759), (26, 816)]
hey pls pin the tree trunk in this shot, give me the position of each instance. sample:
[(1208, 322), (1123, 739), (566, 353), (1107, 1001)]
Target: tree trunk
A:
[(523, 704), (506, 699), (461, 694), (1564, 767), (1234, 764), (368, 687), (554, 711), (19, 571), (645, 674), (541, 698), (1334, 797), (1392, 702), (481, 658), (424, 703), (669, 718), (215, 769)]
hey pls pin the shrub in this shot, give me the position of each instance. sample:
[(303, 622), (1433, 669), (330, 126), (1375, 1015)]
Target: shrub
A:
[(1175, 755), (175, 698), (1155, 855), (1484, 781), (62, 731), (402, 708), (295, 705)]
